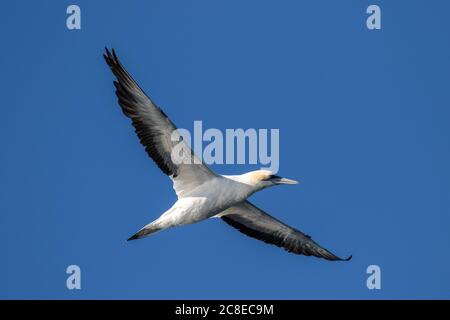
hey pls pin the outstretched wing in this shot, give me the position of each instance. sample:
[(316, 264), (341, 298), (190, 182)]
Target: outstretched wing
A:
[(156, 132), (255, 223)]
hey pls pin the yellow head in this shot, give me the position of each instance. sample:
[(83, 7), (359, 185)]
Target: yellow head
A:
[(264, 178)]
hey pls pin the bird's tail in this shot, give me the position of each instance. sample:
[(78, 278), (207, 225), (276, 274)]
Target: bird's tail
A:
[(146, 231)]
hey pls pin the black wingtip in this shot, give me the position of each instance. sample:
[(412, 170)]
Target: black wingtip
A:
[(107, 53), (114, 53), (348, 259), (107, 56), (133, 237), (110, 55)]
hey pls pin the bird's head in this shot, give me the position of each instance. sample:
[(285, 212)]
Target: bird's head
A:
[(261, 179)]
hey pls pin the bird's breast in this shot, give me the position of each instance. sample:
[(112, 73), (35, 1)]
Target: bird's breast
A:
[(226, 193), (217, 195)]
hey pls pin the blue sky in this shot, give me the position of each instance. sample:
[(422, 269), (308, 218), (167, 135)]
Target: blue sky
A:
[(363, 118)]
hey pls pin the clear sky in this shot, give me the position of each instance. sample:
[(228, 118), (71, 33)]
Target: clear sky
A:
[(364, 124)]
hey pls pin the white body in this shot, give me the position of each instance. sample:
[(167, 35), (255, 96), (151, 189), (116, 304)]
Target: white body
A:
[(202, 193), (206, 201)]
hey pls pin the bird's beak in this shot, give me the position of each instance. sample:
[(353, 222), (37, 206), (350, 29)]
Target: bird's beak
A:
[(284, 181)]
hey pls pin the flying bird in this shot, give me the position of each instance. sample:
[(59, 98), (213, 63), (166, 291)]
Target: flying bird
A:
[(201, 193)]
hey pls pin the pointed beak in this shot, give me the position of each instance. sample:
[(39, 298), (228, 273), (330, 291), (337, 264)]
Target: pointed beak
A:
[(284, 181)]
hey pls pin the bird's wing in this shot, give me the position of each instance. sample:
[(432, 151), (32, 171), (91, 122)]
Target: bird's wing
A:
[(156, 132), (255, 223)]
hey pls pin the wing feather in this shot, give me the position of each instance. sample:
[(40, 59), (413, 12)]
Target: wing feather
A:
[(256, 223), (154, 130)]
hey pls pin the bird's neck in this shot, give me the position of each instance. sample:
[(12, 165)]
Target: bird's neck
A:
[(245, 182)]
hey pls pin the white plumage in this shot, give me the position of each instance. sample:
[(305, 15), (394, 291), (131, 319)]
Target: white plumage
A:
[(201, 193)]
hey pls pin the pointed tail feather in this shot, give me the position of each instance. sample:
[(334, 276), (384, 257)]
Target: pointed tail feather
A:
[(144, 232)]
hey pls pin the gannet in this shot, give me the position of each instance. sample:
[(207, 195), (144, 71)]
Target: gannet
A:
[(201, 193)]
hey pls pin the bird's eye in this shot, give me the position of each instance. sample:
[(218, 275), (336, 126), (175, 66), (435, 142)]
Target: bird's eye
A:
[(273, 176)]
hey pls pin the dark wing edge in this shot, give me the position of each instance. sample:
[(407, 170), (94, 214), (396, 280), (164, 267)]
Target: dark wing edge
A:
[(145, 115), (255, 223)]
